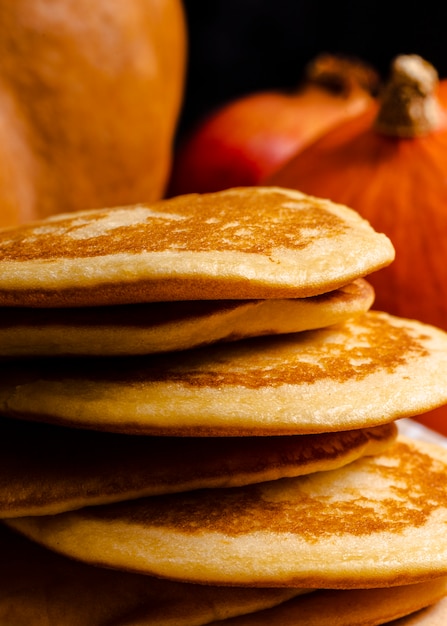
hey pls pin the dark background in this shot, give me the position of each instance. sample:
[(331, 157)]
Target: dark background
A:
[(240, 46)]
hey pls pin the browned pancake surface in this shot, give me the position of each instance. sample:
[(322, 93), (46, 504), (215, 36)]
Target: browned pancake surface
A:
[(377, 522), (47, 469), (240, 243), (368, 371)]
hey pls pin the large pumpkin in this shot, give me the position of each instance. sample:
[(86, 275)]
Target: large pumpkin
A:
[(90, 93)]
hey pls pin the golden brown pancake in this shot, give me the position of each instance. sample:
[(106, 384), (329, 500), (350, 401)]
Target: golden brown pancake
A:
[(353, 607), (368, 371), (379, 521), (434, 615), (39, 587), (48, 469), (243, 243), (164, 326)]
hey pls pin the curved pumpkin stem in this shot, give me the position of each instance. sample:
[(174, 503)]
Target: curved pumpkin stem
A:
[(409, 105), (342, 74)]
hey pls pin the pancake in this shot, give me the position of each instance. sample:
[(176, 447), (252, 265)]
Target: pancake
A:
[(377, 522), (370, 370), (243, 243), (47, 469), (353, 607), (39, 587), (434, 615), (164, 326)]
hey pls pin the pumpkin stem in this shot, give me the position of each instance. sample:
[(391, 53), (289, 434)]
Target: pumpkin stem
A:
[(409, 106), (342, 74)]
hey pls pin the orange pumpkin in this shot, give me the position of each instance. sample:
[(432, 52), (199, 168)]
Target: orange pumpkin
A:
[(250, 137), (390, 164), (90, 94)]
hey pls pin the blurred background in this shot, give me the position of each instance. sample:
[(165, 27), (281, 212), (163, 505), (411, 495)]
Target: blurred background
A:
[(240, 46)]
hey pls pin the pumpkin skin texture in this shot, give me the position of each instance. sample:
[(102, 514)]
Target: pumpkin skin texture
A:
[(400, 186), (90, 93), (250, 137)]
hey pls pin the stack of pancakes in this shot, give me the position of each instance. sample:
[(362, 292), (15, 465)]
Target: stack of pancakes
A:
[(199, 421)]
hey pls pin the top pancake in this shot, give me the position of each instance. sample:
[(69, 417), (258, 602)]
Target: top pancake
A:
[(241, 243)]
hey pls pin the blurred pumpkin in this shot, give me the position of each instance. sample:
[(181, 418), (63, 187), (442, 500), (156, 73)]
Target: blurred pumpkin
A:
[(248, 138), (390, 164), (90, 94)]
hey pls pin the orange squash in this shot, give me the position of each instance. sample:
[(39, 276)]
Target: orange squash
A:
[(390, 164), (90, 94), (250, 137)]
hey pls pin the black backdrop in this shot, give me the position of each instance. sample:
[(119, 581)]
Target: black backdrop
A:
[(240, 46)]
